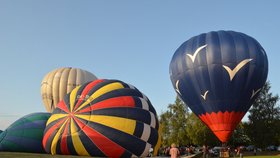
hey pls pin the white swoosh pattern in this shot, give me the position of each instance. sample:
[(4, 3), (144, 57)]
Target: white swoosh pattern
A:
[(204, 95), (233, 72), (254, 93), (196, 52), (177, 87)]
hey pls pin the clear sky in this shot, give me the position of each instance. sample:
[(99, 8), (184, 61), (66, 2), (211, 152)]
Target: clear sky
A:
[(132, 41)]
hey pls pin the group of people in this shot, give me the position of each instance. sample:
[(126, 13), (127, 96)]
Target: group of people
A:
[(174, 152)]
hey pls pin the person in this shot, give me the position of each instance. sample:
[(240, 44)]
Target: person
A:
[(240, 152), (205, 151), (255, 151), (174, 152)]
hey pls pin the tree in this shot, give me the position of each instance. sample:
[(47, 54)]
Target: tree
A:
[(239, 136), (199, 133), (173, 123), (263, 127)]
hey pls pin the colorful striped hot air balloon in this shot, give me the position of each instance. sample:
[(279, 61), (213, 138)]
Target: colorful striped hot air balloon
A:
[(106, 118), (219, 75), (57, 83), (25, 135)]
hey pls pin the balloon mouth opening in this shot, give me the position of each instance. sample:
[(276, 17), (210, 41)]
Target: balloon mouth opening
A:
[(223, 136)]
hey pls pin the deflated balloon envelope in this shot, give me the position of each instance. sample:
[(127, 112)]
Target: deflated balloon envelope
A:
[(57, 83), (106, 118), (25, 135), (219, 75)]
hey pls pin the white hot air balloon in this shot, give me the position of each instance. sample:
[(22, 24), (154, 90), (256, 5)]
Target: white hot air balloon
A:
[(57, 83)]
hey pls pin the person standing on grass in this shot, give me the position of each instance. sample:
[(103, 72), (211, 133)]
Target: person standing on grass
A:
[(240, 152), (174, 152)]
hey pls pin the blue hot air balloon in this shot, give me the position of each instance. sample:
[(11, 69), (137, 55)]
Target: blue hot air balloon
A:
[(219, 75), (25, 134)]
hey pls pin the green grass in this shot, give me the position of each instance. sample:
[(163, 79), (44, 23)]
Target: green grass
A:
[(271, 156)]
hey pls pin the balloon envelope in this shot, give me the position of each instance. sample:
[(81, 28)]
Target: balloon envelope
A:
[(25, 135), (57, 83), (218, 75), (106, 118)]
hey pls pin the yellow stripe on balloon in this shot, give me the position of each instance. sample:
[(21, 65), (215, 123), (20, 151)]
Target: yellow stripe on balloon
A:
[(55, 117), (56, 138), (73, 97), (125, 125), (101, 91), (72, 126), (78, 145)]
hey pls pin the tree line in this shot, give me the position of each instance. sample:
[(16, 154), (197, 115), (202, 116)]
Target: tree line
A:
[(181, 126)]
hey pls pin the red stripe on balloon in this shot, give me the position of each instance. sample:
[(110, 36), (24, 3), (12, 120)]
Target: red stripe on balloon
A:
[(108, 147), (86, 90), (61, 105), (63, 144), (123, 101), (222, 123), (51, 130)]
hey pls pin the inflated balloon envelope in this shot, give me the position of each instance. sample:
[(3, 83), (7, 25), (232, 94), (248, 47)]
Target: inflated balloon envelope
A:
[(25, 134), (107, 118), (57, 83), (219, 75)]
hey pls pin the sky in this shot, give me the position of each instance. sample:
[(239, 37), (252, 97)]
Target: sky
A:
[(132, 41)]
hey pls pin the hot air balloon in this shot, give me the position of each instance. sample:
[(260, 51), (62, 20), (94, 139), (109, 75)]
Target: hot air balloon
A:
[(105, 118), (219, 75), (25, 134), (57, 83)]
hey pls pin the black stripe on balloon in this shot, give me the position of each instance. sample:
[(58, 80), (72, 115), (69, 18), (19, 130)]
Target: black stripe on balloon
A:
[(127, 141), (138, 131), (52, 124), (99, 85), (126, 154), (67, 101), (153, 137), (79, 92), (76, 126), (90, 147), (58, 111), (70, 145), (50, 140), (82, 120), (138, 103), (151, 108), (117, 93), (58, 147), (157, 124), (125, 112)]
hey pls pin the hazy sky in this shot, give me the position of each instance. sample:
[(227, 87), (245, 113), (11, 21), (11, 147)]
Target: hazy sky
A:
[(132, 41)]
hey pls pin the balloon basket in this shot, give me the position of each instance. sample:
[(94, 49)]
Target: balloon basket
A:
[(224, 152)]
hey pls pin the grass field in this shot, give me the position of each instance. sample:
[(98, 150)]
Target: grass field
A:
[(31, 155), (271, 156)]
